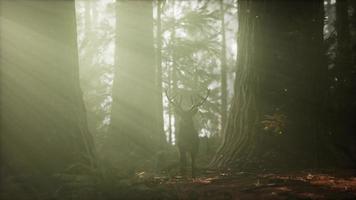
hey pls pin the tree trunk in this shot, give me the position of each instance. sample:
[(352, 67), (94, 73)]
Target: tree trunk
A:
[(223, 69), (343, 93), (241, 128), (174, 80), (133, 127), (274, 38), (160, 122), (43, 118)]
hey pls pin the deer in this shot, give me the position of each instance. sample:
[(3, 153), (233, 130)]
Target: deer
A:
[(187, 137)]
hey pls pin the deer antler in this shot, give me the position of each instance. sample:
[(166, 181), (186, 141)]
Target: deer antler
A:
[(171, 100), (203, 99)]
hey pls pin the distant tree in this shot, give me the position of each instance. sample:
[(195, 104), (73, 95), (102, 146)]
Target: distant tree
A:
[(95, 42), (43, 118), (160, 124), (133, 127), (191, 57), (173, 82)]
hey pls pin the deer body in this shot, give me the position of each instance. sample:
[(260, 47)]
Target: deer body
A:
[(187, 136), (188, 143)]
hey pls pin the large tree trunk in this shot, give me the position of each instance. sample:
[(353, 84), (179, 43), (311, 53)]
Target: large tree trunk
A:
[(353, 79), (341, 73), (43, 120), (274, 38), (241, 128), (223, 71), (134, 128), (342, 95), (300, 65)]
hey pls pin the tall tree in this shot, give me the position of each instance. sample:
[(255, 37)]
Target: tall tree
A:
[(193, 48), (43, 123), (241, 127), (134, 111), (273, 39), (343, 65), (223, 67), (174, 70), (159, 114), (95, 47), (342, 74)]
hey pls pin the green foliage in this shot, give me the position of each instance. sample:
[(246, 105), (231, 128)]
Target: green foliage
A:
[(192, 50), (276, 123)]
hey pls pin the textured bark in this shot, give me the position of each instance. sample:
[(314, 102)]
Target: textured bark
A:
[(342, 95), (43, 122), (280, 69), (241, 127)]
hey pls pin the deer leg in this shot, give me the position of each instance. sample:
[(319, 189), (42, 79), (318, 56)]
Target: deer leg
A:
[(183, 160)]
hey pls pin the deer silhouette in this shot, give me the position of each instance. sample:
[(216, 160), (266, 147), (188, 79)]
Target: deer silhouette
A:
[(187, 137)]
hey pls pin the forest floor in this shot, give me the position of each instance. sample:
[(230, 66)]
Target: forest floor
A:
[(243, 185), (297, 185)]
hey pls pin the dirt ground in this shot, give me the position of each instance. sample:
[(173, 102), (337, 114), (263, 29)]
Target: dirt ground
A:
[(333, 185), (249, 186)]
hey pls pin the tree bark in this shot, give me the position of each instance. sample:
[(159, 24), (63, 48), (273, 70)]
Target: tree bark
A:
[(241, 127), (280, 70), (343, 79)]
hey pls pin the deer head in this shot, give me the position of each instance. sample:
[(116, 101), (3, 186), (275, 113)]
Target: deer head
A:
[(187, 115)]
